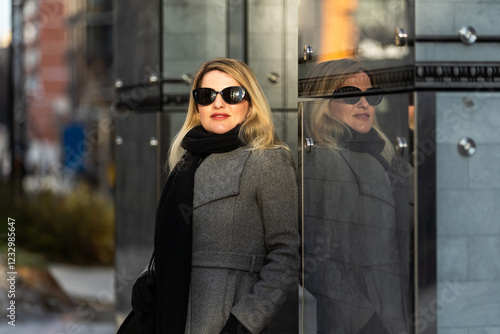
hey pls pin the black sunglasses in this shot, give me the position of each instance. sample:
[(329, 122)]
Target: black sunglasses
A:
[(373, 98), (232, 95)]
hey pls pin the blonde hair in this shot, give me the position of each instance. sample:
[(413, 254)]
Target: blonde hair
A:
[(325, 129), (258, 128)]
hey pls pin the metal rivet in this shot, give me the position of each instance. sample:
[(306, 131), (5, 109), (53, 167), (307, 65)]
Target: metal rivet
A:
[(274, 77), (308, 52), (401, 37), (468, 102), (153, 79), (153, 141), (466, 146), (401, 145), (118, 83), (308, 144), (467, 35), (187, 78), (119, 140)]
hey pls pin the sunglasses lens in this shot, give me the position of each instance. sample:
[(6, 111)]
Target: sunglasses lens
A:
[(204, 96), (233, 95), (350, 100), (374, 100), (349, 90)]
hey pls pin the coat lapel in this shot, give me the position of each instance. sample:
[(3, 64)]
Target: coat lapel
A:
[(371, 176), (224, 171)]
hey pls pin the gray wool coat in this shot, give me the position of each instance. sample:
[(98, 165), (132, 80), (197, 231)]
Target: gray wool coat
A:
[(354, 242), (245, 239)]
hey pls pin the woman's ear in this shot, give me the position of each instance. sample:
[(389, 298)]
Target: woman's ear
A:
[(249, 111)]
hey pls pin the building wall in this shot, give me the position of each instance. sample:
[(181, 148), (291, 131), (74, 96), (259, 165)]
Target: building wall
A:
[(272, 50), (468, 202)]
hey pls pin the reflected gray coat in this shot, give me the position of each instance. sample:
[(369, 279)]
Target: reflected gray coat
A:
[(352, 242), (245, 239)]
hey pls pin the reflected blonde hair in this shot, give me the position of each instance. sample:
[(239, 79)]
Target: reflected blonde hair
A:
[(325, 129), (257, 130)]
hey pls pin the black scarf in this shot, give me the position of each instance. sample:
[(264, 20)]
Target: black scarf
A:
[(173, 231), (370, 143)]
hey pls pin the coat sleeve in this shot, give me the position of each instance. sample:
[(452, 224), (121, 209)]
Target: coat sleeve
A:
[(277, 198)]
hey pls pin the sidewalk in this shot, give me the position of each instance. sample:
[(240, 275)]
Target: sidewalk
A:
[(92, 291), (89, 283)]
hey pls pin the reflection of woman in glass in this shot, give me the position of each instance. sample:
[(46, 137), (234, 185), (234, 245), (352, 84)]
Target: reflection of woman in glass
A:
[(356, 207)]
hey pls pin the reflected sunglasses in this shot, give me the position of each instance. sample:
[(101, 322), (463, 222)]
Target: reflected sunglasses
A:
[(231, 95), (374, 98)]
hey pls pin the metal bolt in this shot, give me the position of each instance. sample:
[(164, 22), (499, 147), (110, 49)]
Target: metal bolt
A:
[(401, 37), (467, 35), (308, 52), (153, 141), (466, 146)]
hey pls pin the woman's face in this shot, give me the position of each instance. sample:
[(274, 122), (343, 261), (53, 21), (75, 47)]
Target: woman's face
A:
[(358, 116), (220, 116)]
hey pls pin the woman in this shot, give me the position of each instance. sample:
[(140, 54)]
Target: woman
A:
[(356, 224), (226, 238)]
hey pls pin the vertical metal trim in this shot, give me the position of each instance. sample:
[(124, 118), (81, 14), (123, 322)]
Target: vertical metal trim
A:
[(228, 29), (300, 164), (160, 53), (158, 128), (236, 24), (283, 69), (425, 211), (158, 150), (245, 31)]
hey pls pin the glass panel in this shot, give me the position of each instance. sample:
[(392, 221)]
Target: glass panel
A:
[(357, 210), (137, 39), (135, 200), (362, 29), (271, 53), (193, 32), (138, 58)]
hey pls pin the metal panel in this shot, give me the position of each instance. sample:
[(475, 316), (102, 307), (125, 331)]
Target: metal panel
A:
[(192, 33), (425, 237), (135, 200), (137, 55), (468, 198)]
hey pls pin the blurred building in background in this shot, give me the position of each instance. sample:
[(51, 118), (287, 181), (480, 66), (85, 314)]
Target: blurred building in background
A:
[(5, 133), (61, 82), (89, 55), (45, 79)]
